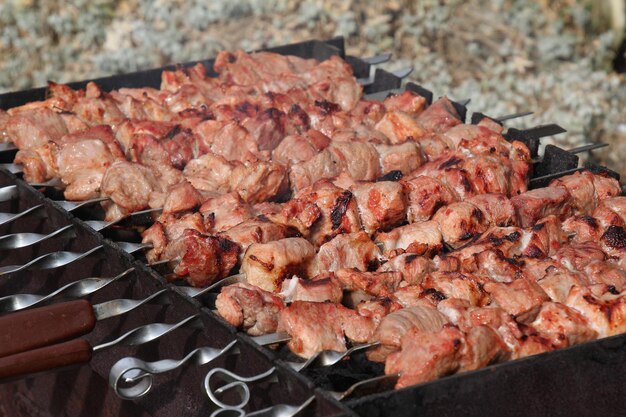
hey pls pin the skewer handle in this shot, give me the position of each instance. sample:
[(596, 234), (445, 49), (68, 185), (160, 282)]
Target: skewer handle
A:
[(43, 359), (43, 326)]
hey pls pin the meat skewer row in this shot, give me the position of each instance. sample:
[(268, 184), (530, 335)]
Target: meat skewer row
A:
[(341, 241), (544, 326)]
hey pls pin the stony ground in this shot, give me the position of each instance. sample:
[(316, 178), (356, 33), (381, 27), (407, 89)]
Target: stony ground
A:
[(552, 57)]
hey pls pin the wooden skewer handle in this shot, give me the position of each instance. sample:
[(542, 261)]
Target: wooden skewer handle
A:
[(38, 327), (43, 359)]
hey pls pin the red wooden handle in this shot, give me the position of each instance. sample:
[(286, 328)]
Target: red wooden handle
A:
[(31, 329), (50, 357)]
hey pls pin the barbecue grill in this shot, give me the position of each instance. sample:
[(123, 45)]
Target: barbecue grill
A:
[(580, 380)]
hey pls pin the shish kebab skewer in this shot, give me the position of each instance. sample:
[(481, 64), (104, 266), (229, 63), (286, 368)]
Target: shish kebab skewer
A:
[(529, 210)]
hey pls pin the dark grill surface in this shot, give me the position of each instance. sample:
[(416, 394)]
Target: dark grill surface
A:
[(582, 380)]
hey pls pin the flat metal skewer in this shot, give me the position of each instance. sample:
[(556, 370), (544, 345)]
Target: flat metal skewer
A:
[(50, 260), (138, 217), (400, 73), (23, 240), (76, 289)]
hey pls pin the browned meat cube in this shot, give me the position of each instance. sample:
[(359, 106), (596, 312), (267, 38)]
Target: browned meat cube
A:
[(482, 345), (459, 223), (182, 197), (413, 267), (319, 289), (407, 101), (588, 190), (379, 284), (267, 265), (496, 208), (541, 202), (611, 212), (456, 285), (583, 228), (382, 205), (250, 308), (575, 257), (439, 116), (562, 325), (350, 250), (557, 282), (521, 298), (338, 211), (394, 325), (425, 196), (423, 238), (493, 265), (605, 312), (426, 356), (600, 272), (299, 148), (30, 128), (225, 211), (314, 327), (613, 241), (257, 230), (400, 127), (404, 157), (203, 259)]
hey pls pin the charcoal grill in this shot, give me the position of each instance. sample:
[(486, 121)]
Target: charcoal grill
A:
[(581, 380)]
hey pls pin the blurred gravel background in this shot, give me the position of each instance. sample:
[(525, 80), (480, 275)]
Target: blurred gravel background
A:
[(553, 57)]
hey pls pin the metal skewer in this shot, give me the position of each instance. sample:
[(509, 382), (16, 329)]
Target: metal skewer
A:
[(132, 377), (138, 217), (579, 149), (76, 289), (400, 73), (49, 261), (23, 240), (8, 193), (278, 410), (38, 211), (377, 59)]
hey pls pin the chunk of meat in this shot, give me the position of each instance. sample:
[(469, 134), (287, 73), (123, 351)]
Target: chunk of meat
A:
[(35, 127), (318, 289), (250, 308), (129, 185), (382, 204), (203, 259), (439, 116), (575, 257), (338, 211), (404, 157), (350, 250), (407, 101), (379, 284), (522, 298), (541, 202), (423, 238), (497, 209), (413, 267), (562, 325), (605, 313), (257, 230), (456, 285), (267, 265), (460, 222), (400, 127), (426, 356), (299, 148), (425, 196), (359, 160), (314, 327), (182, 197), (394, 325), (225, 211)]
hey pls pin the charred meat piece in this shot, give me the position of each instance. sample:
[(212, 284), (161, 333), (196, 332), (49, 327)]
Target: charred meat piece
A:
[(394, 325), (423, 238), (425, 196), (522, 298), (250, 308), (604, 310), (405, 157), (350, 250), (320, 288), (267, 265), (257, 230), (203, 259), (338, 211), (382, 205), (541, 202), (425, 356), (407, 101), (379, 284), (456, 285), (563, 325), (413, 267), (459, 223), (314, 327)]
